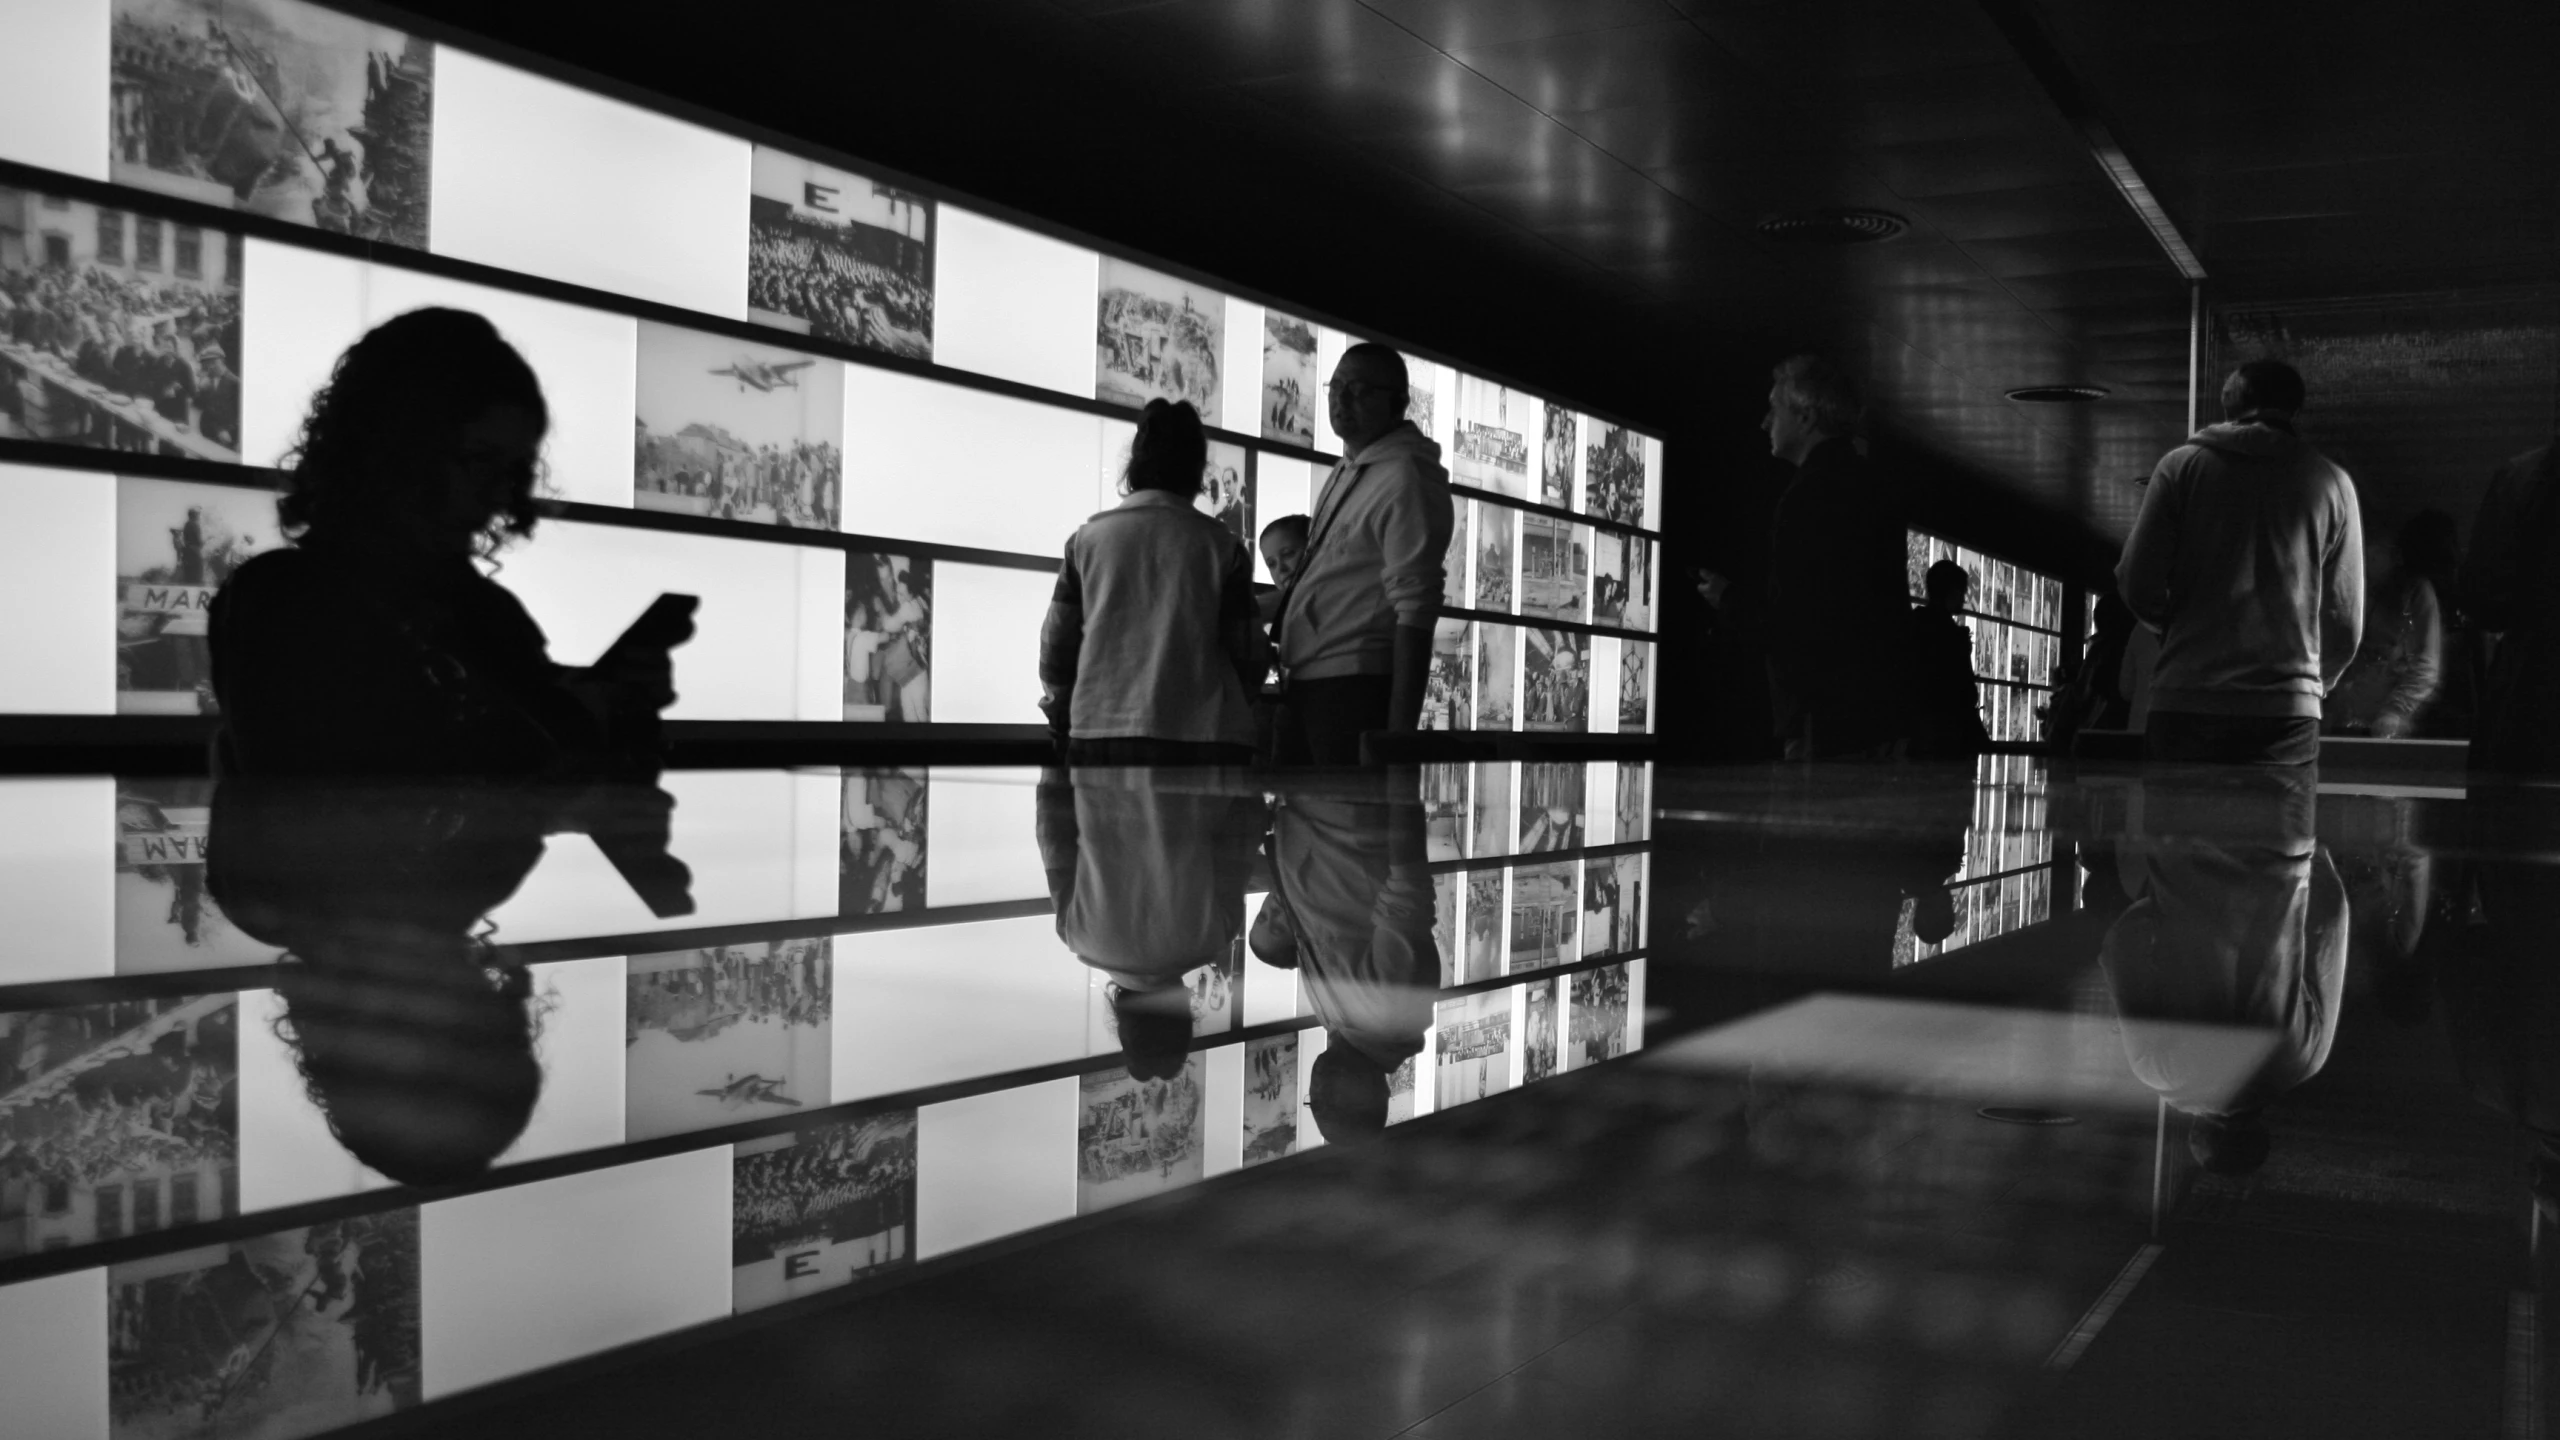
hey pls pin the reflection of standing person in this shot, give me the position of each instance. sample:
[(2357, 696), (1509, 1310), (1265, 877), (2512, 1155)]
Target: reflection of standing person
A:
[(2399, 665)]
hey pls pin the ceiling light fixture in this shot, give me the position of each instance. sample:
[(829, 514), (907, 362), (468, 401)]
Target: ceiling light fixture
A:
[(1834, 227), (2058, 394)]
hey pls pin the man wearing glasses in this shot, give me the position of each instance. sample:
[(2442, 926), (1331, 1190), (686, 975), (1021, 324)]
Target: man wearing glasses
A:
[(1354, 632)]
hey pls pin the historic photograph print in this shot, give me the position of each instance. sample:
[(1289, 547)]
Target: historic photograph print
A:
[(1158, 338), (1555, 681), (1621, 580), (1556, 457), (1613, 473), (1555, 567), (1136, 1138), (1551, 804), (165, 917), (1635, 681), (119, 330), (1447, 696), (1546, 901), (1540, 1052), (832, 254), (1497, 656), (1270, 1098), (1494, 525), (1444, 811), (271, 1338), (735, 431), (1292, 391), (1454, 590), (1474, 1041), (888, 638), (1226, 490), (276, 108), (1634, 804), (118, 1119), (821, 1207), (1597, 1020), (881, 858), (1448, 924), (1493, 813), (176, 543), (1489, 448), (1486, 898), (735, 1032)]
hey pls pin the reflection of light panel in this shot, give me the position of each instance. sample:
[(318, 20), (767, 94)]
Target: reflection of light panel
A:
[(57, 569), (1012, 304), (1978, 1053), (994, 1165), (513, 1280), (1240, 397), (54, 1332), (57, 878), (937, 1003), (54, 98), (548, 179)]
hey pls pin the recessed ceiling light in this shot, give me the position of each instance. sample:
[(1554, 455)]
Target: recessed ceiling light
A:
[(1834, 227), (2058, 394)]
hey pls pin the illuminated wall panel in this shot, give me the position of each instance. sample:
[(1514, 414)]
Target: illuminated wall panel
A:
[(951, 1002), (53, 1337), (994, 1165), (1013, 304), (544, 178), (1240, 403), (987, 644), (935, 462), (57, 878), (53, 85), (57, 585)]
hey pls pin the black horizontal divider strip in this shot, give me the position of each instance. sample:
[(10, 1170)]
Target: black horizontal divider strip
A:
[(394, 1197), (1533, 507), (609, 302), (1532, 622), (1537, 857)]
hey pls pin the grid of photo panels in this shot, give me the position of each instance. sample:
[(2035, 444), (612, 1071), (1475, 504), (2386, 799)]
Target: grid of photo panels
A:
[(722, 1108), (2016, 616), (2006, 882), (846, 359)]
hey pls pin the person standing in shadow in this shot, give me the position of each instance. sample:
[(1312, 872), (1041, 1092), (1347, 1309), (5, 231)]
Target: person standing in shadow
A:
[(2511, 587), (1152, 645), (1837, 589), (2248, 558), (1350, 911), (1942, 714), (375, 644), (2400, 666), (1147, 873)]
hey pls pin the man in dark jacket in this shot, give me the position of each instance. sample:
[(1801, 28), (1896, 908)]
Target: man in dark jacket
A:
[(1942, 714), (1836, 588), (2248, 559)]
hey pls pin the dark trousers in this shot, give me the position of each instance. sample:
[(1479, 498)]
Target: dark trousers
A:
[(1321, 721), (2231, 739), (1142, 751)]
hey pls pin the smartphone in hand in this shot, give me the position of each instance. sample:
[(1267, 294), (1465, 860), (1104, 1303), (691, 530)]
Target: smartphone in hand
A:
[(666, 624)]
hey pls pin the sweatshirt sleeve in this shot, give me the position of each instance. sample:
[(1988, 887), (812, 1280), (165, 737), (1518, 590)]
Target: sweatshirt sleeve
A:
[(2342, 589), (1062, 642), (2142, 573), (1413, 545)]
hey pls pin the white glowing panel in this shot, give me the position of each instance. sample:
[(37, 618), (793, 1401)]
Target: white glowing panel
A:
[(54, 103), (1284, 487), (1605, 664), (305, 308), (1600, 803), (1330, 343), (287, 1155), (548, 179), (1013, 304), (1240, 402), (986, 644), (757, 651), (979, 838), (1311, 1044), (513, 1280), (954, 1002), (58, 587), (53, 1348), (949, 465), (57, 878), (994, 1165), (1222, 1103), (1652, 483)]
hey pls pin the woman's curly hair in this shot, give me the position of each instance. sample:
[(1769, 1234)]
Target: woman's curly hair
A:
[(1170, 451), (390, 419)]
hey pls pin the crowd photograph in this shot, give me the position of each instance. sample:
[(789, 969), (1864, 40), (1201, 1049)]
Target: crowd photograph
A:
[(730, 1033), (1485, 902), (1291, 390), (118, 330), (1137, 1137), (1556, 457), (888, 630), (881, 861), (276, 108), (1474, 1034), (828, 1204), (1598, 1018), (1539, 1051), (733, 431), (1555, 681), (1613, 478), (1489, 448), (1157, 338), (839, 256)]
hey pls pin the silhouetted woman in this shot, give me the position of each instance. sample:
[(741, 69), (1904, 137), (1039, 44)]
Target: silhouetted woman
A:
[(1152, 642), (376, 644)]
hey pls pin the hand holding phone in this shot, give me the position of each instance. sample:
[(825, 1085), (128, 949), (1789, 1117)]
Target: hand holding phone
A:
[(666, 624)]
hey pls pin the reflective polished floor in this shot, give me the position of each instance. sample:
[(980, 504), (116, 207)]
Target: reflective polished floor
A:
[(1496, 1099)]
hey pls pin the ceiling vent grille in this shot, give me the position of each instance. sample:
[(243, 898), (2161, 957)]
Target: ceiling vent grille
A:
[(1834, 227)]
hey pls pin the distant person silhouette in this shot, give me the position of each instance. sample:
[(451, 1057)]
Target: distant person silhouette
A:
[(2248, 559), (2400, 665), (1837, 595), (375, 644), (1152, 645), (2511, 589), (1942, 703)]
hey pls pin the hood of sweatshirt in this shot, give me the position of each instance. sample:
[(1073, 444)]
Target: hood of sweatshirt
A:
[(2248, 439), (1403, 440)]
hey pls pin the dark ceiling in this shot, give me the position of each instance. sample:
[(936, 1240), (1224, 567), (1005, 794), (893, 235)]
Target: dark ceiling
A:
[(1568, 190)]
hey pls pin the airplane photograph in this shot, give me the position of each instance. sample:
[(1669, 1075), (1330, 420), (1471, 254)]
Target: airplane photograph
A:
[(748, 370)]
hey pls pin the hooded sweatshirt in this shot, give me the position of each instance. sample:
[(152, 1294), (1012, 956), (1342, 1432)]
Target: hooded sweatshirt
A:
[(1376, 547), (2248, 558)]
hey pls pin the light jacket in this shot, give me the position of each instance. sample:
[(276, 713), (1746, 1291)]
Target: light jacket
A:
[(1376, 551), (1151, 631), (2248, 558)]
